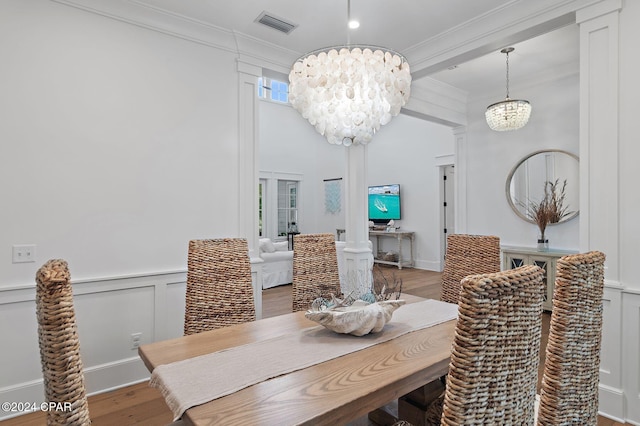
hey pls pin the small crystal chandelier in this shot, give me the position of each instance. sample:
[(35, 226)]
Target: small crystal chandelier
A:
[(509, 114), (348, 92)]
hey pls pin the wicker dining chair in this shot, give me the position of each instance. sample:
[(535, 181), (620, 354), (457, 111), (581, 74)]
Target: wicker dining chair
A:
[(219, 286), (569, 391), (467, 255), (493, 370), (60, 345), (315, 269)]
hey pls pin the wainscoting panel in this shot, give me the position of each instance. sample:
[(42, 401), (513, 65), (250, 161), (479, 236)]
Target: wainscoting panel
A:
[(19, 334), (611, 395), (108, 319), (108, 311), (631, 354), (174, 311)]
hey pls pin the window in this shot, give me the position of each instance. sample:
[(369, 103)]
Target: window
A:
[(279, 91), (274, 90)]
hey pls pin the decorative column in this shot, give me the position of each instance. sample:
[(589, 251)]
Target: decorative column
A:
[(599, 141), (599, 181), (357, 253), (248, 178)]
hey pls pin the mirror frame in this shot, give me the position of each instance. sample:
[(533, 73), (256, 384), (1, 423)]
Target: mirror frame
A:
[(513, 171)]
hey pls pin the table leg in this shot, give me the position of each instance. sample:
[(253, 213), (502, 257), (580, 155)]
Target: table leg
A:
[(411, 250), (422, 407)]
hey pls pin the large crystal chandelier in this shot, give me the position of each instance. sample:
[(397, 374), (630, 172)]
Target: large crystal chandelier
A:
[(348, 92), (509, 114)]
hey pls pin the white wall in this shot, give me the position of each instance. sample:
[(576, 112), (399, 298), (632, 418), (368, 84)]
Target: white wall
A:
[(116, 140), (491, 156)]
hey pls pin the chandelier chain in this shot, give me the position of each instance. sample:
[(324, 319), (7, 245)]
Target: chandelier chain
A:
[(507, 75)]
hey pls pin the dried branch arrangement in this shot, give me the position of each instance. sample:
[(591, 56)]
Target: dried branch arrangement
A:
[(382, 289), (385, 289), (551, 208)]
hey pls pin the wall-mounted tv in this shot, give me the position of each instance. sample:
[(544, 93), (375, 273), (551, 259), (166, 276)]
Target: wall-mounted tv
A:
[(384, 203)]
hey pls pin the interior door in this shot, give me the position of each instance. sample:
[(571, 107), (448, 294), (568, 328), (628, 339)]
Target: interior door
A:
[(448, 208), (448, 204)]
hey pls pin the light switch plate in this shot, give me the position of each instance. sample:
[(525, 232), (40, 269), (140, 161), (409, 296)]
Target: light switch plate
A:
[(24, 253)]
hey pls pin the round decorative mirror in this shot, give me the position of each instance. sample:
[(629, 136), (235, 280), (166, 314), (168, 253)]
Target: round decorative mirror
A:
[(539, 171)]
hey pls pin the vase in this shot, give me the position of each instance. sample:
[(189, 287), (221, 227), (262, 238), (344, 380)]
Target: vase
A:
[(543, 244)]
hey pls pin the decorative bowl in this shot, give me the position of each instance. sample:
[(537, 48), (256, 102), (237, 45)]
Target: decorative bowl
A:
[(358, 319)]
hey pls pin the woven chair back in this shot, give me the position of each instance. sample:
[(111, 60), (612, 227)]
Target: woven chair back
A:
[(468, 255), (493, 370), (219, 287), (60, 346), (569, 392), (315, 269)]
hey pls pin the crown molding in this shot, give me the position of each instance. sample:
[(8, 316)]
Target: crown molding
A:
[(141, 15), (600, 9), (266, 55), (144, 15)]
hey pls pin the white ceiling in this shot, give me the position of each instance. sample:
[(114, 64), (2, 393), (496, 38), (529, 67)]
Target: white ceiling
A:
[(553, 53), (401, 25)]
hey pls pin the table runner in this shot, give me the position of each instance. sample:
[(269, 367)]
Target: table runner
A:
[(194, 381)]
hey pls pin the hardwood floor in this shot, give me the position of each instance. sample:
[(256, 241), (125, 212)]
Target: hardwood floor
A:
[(140, 404)]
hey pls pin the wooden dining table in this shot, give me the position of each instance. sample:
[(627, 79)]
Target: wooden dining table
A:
[(332, 392)]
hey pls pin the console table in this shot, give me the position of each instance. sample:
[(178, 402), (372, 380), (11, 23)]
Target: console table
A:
[(514, 257), (399, 236)]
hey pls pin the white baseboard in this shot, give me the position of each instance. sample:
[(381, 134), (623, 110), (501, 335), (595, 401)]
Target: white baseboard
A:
[(428, 265), (630, 330), (98, 379), (611, 403), (115, 375), (28, 392)]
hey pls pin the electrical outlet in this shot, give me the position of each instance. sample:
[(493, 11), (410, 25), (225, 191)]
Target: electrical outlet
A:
[(136, 338), (24, 253)]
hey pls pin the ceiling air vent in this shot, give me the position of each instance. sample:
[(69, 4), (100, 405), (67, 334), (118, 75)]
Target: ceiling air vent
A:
[(276, 23)]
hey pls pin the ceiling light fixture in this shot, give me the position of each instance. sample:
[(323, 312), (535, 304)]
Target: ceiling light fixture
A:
[(509, 114), (347, 92)]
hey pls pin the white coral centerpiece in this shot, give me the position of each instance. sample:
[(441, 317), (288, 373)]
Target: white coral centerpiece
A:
[(358, 319)]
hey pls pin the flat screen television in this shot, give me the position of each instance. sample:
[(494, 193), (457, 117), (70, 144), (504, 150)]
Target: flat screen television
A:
[(384, 203)]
